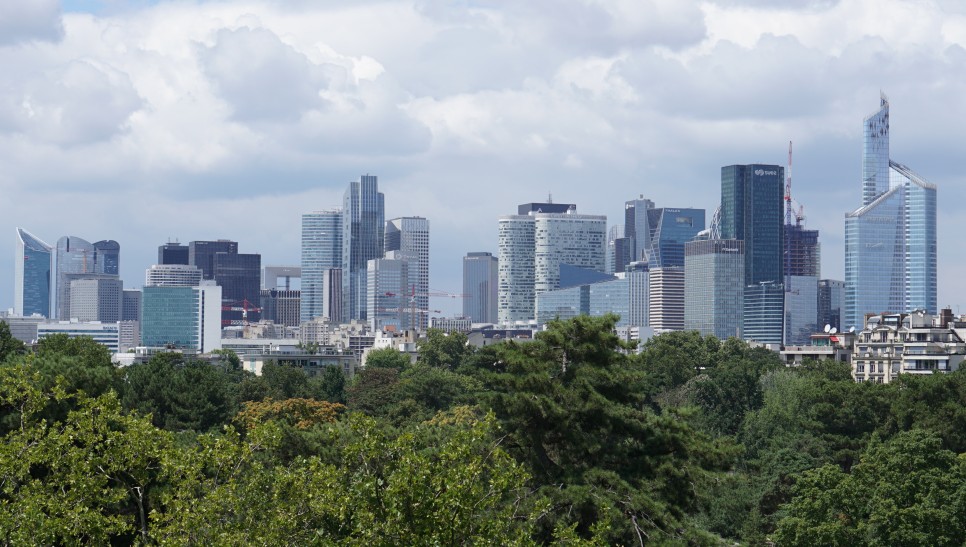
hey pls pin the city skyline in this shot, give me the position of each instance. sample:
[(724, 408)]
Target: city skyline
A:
[(194, 156)]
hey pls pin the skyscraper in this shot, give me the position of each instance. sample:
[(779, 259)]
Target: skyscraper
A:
[(751, 211), (714, 286), (182, 317), (363, 239), (107, 257), (202, 254), (480, 281), (669, 229), (239, 276), (96, 299), (74, 258), (636, 227), (32, 269), (410, 237), (172, 275), (533, 248), (831, 303), (802, 269), (388, 301), (890, 241), (321, 253), (173, 253)]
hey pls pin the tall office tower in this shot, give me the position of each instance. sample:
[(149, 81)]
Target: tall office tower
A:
[(619, 249), (363, 239), (666, 299), (32, 269), (281, 306), (669, 230), (534, 245), (173, 253), (762, 304), (202, 254), (752, 199), (515, 290), (638, 278), (636, 227), (831, 303), (569, 239), (890, 241), (131, 305), (714, 272), (98, 299), (410, 237), (802, 268), (75, 259), (390, 306), (107, 257), (240, 279), (480, 281), (172, 275), (187, 318), (321, 253)]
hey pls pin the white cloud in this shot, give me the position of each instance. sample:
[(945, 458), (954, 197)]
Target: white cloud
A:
[(30, 20)]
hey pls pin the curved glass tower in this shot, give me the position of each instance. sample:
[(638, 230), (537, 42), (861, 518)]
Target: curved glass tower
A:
[(31, 292), (890, 241)]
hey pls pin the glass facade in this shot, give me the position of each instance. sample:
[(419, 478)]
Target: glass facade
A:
[(714, 273), (596, 299), (831, 303), (568, 238), (363, 239), (32, 275), (173, 253), (202, 254), (637, 228), (515, 294), (107, 257), (763, 311), (321, 252), (389, 301), (801, 309), (480, 281), (890, 242), (74, 256), (170, 317), (751, 210), (670, 229)]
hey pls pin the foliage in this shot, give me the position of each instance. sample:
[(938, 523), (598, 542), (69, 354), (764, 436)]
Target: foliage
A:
[(387, 358), (299, 413), (906, 491), (444, 349), (9, 346)]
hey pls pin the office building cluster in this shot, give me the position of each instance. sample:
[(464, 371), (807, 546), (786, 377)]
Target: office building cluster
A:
[(751, 269)]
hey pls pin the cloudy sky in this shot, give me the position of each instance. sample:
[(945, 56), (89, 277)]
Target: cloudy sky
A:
[(144, 121)]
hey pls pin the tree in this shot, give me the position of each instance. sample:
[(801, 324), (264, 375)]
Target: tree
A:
[(387, 358), (374, 391), (9, 346), (443, 349), (905, 491)]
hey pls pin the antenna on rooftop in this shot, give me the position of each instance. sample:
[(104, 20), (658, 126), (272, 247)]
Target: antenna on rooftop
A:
[(549, 197)]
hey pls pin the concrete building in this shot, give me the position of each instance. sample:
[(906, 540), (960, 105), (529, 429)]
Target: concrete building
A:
[(281, 306), (23, 328), (836, 346), (481, 279), (98, 299), (105, 334), (172, 275), (131, 305), (666, 299), (451, 324), (916, 343), (409, 236), (271, 276)]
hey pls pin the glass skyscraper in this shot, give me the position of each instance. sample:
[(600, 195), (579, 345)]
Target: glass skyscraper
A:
[(751, 210), (410, 237), (321, 253), (363, 239), (670, 229), (480, 280), (32, 269), (802, 268), (714, 271), (890, 241)]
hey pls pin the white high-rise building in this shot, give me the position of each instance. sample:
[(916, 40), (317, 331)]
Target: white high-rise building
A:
[(409, 236), (321, 260), (172, 275), (534, 244), (666, 295)]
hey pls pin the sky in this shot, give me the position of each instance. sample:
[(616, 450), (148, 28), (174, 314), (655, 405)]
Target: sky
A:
[(152, 121)]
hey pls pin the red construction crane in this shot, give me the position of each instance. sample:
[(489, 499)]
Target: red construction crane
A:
[(245, 307)]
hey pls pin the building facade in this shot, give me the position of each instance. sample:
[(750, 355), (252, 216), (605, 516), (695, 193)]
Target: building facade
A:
[(173, 253), (131, 305), (762, 312), (201, 254), (281, 306), (480, 282), (831, 303), (98, 299), (666, 299), (240, 278), (172, 275), (363, 239), (409, 236), (890, 241), (916, 343), (321, 253), (515, 292), (389, 302), (105, 334), (714, 286), (187, 318), (32, 275), (802, 267)]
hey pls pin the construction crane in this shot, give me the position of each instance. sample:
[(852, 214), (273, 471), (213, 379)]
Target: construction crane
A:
[(244, 308)]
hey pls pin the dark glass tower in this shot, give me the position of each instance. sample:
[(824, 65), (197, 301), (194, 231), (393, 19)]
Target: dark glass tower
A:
[(363, 239), (173, 253), (107, 257), (751, 211), (201, 254), (239, 276)]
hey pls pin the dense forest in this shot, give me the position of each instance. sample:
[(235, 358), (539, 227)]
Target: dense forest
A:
[(572, 438)]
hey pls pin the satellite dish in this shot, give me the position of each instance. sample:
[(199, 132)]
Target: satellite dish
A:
[(827, 328), (833, 331), (851, 329)]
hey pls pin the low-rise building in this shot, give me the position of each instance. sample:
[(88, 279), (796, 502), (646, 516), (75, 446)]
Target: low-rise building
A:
[(915, 343)]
